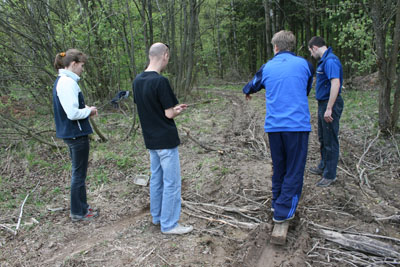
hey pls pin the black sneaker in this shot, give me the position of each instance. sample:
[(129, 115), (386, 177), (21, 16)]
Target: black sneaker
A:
[(325, 182), (316, 171)]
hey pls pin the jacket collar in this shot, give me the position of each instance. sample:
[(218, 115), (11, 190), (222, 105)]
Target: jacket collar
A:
[(325, 55), (64, 72), (284, 52)]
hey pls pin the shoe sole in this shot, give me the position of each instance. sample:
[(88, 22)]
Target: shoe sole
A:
[(282, 221)]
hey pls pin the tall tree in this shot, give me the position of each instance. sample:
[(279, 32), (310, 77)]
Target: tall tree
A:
[(382, 14)]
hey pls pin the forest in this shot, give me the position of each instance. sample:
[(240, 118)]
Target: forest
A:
[(216, 47)]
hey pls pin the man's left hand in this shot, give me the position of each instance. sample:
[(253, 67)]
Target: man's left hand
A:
[(328, 115)]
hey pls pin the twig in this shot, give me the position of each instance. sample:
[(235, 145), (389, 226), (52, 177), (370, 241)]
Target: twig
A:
[(9, 229), (58, 150), (148, 254), (248, 199), (358, 165), (393, 217), (210, 219), (164, 260), (22, 208), (187, 131)]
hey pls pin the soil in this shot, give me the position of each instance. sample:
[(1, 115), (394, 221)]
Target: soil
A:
[(225, 163)]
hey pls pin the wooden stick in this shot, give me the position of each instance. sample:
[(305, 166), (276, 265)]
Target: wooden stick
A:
[(361, 243), (355, 233), (393, 217), (211, 219), (97, 130), (22, 208), (187, 131), (9, 229)]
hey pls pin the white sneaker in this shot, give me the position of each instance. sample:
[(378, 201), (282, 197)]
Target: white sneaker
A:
[(179, 230)]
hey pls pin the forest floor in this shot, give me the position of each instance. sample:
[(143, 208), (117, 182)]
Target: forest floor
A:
[(226, 192)]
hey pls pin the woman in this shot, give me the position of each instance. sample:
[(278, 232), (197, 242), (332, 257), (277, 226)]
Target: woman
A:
[(72, 125)]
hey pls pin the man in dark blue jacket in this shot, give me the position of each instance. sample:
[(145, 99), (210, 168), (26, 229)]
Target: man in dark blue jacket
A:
[(330, 107), (287, 80)]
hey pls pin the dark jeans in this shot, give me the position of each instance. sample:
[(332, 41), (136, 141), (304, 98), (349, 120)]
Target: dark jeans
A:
[(79, 153), (289, 155), (328, 138)]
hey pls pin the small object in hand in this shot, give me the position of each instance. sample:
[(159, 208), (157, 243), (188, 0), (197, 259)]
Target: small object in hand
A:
[(141, 179)]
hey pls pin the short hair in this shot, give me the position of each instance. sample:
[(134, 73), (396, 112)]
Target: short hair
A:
[(316, 41), (157, 50), (284, 40), (64, 59)]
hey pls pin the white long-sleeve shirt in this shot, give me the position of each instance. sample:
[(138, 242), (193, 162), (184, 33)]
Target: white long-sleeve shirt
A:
[(67, 92)]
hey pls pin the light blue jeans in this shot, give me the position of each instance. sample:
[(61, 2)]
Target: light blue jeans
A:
[(165, 187)]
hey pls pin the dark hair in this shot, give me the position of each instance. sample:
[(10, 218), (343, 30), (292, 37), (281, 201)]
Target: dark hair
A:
[(317, 41), (64, 59)]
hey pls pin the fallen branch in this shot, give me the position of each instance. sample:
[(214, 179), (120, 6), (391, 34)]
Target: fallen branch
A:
[(395, 218), (187, 131), (355, 233), (22, 208), (97, 130), (361, 243), (21, 128), (358, 165), (9, 229), (239, 211)]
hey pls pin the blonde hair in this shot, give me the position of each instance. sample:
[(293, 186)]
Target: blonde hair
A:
[(64, 59), (284, 40)]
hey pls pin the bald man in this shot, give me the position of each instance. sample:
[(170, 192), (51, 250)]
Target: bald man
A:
[(157, 108)]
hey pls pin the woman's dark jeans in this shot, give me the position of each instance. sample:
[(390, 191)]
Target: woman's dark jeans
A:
[(328, 138), (79, 153)]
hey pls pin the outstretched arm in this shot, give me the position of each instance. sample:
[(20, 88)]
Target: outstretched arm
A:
[(175, 111), (254, 85)]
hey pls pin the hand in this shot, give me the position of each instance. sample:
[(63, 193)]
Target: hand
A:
[(93, 111), (328, 115), (248, 97), (179, 108)]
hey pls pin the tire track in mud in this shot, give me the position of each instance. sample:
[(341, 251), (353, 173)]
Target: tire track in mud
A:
[(92, 238)]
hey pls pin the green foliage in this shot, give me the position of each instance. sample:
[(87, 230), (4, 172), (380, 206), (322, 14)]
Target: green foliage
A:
[(355, 36)]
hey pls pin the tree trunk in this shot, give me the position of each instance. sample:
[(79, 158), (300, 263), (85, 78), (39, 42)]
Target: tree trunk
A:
[(380, 30), (267, 11), (392, 68), (235, 42)]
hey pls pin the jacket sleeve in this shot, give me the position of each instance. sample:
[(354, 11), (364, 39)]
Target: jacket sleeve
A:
[(67, 92), (255, 84)]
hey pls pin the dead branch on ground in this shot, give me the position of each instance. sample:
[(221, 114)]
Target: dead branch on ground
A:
[(361, 243), (187, 131), (363, 178), (228, 221), (97, 130), (22, 208)]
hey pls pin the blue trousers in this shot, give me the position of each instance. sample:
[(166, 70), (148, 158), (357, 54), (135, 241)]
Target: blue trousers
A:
[(289, 155), (165, 187), (79, 153), (328, 138)]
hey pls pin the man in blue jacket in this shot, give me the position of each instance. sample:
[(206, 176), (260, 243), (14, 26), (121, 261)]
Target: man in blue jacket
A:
[(287, 80), (330, 107)]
